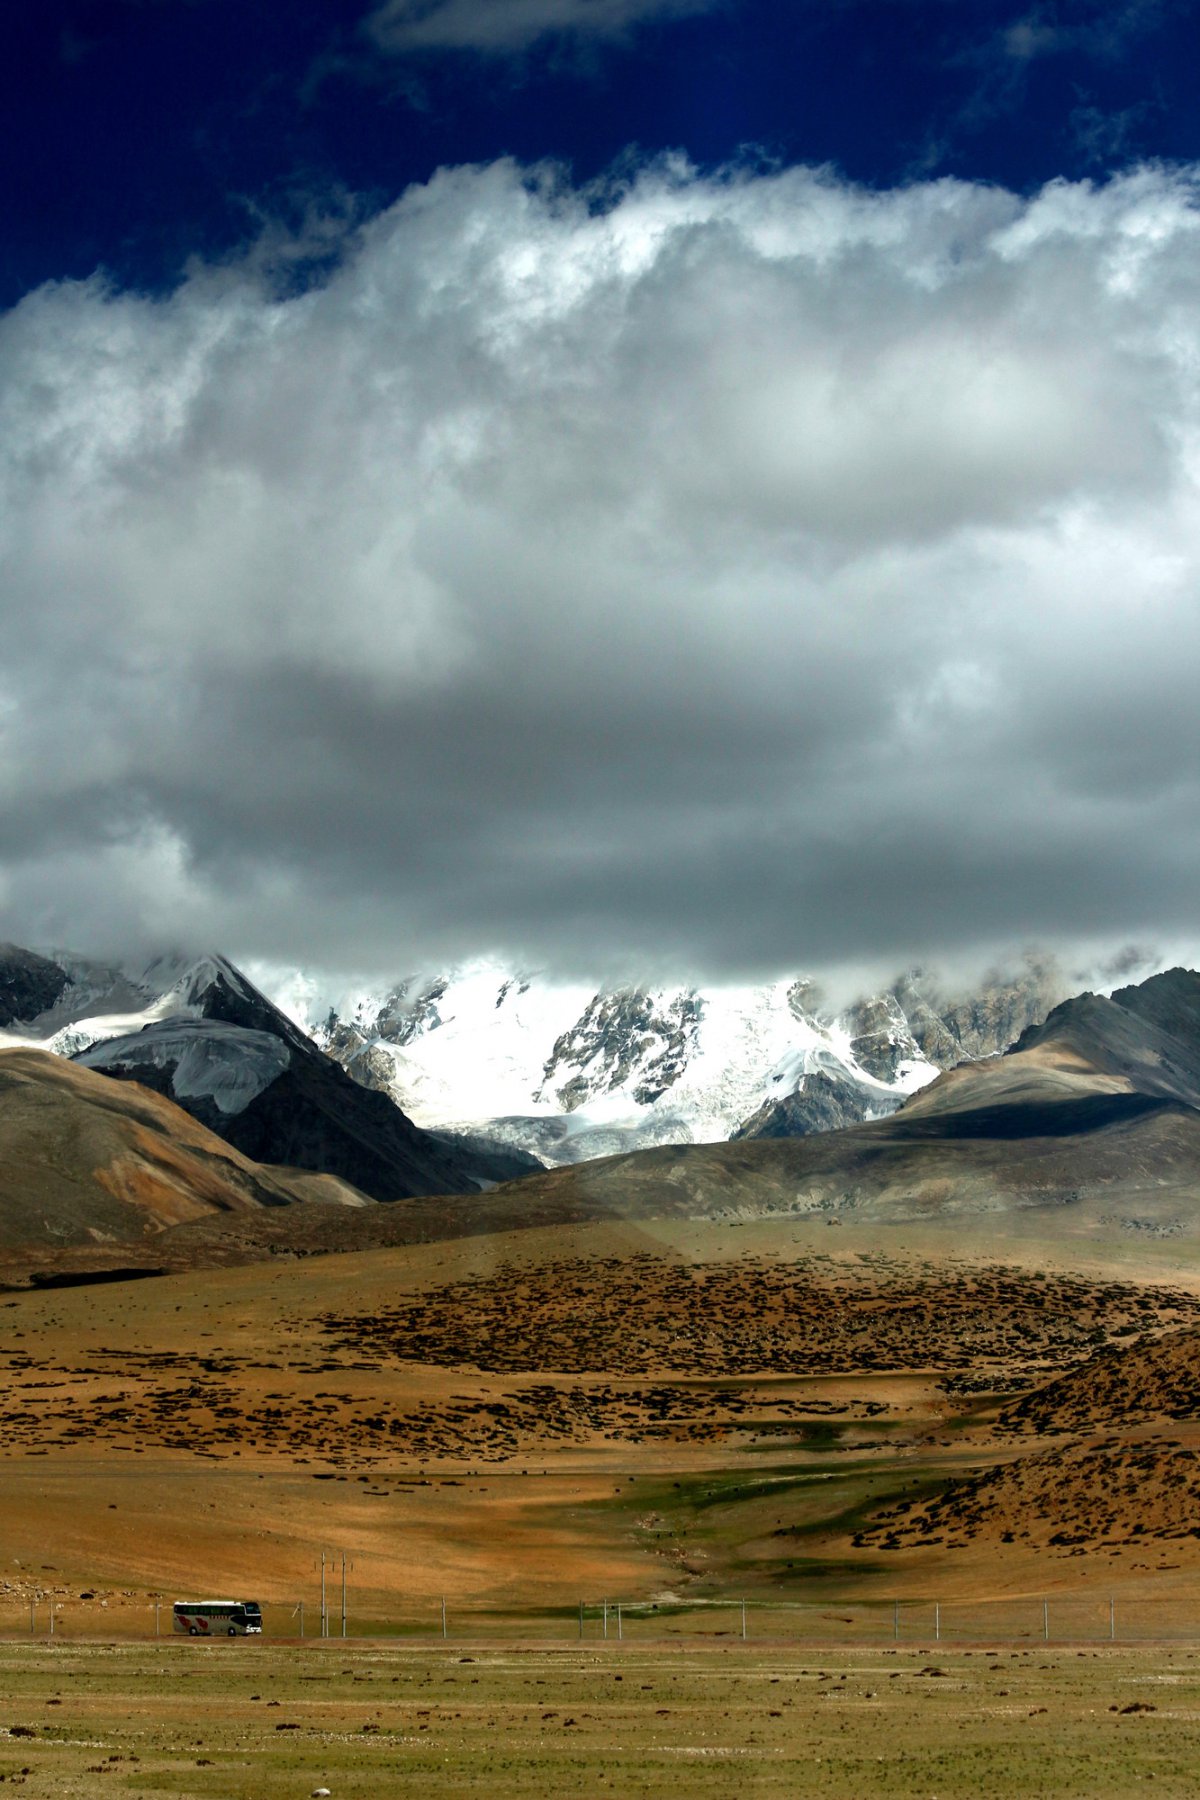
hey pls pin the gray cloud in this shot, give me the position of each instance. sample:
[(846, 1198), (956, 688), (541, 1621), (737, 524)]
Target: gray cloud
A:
[(504, 26), (722, 574)]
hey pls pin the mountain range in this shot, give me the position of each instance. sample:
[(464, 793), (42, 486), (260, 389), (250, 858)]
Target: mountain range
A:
[(768, 1103), (1092, 1114), (571, 1073), (506, 1062)]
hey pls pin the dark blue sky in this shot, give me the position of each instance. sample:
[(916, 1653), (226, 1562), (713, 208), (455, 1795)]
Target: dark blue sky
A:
[(140, 132)]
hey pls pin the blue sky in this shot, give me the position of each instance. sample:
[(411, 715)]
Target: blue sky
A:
[(142, 132), (682, 487)]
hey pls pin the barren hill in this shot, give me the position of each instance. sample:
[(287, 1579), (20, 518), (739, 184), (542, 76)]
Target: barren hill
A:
[(85, 1161)]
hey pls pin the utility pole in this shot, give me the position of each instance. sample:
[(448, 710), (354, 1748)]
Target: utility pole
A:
[(443, 1615), (1112, 1618), (343, 1593), (324, 1614), (743, 1620)]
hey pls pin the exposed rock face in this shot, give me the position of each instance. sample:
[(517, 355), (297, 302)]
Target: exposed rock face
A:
[(881, 1039), (411, 1010), (906, 1025), (820, 1103), (29, 984), (910, 1022), (370, 1066), (994, 1017), (616, 1035)]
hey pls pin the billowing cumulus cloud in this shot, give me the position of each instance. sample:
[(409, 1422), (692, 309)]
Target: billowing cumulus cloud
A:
[(732, 574), (501, 26)]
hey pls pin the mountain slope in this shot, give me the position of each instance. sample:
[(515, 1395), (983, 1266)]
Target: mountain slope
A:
[(571, 1073), (1086, 1112), (87, 1161), (1147, 1036), (29, 984), (236, 1063)]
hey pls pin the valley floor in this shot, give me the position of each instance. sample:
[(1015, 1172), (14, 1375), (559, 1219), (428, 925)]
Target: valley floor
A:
[(657, 1415), (263, 1721)]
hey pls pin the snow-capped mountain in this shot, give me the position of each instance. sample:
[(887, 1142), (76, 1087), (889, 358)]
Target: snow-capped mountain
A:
[(218, 1048), (569, 1072), (562, 1070)]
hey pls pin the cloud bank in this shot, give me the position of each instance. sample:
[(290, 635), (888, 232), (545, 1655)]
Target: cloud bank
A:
[(724, 573)]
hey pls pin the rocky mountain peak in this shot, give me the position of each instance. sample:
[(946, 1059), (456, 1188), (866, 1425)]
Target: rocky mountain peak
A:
[(620, 1035)]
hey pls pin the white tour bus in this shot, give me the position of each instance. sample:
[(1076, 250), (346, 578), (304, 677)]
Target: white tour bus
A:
[(217, 1618)]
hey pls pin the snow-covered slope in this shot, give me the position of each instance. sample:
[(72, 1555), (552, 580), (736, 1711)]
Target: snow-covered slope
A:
[(205, 1058), (569, 1072), (98, 1000)]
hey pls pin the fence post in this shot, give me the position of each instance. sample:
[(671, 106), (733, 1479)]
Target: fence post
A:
[(444, 1632), (581, 1618), (895, 1621), (32, 1607), (619, 1632), (1112, 1618), (606, 1618), (1045, 1621), (743, 1619), (937, 1621)]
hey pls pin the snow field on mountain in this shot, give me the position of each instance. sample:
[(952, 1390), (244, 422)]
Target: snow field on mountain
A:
[(484, 1047)]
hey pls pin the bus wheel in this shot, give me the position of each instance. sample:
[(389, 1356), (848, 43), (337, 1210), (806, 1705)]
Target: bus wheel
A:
[(193, 1631), (233, 1631)]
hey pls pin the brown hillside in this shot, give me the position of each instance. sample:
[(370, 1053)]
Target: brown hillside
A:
[(1122, 1482), (86, 1161), (1077, 1500), (1151, 1380)]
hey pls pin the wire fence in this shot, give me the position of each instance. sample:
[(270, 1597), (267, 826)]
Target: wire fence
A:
[(1026, 1620)]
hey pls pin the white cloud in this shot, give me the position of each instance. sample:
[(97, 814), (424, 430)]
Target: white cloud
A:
[(503, 26), (741, 572)]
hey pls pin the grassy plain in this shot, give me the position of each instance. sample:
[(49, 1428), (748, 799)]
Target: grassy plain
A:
[(266, 1721)]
